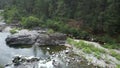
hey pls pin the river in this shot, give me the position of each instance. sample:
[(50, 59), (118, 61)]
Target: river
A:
[(7, 53)]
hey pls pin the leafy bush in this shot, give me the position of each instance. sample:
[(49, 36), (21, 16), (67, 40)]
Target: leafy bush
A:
[(13, 31), (50, 31), (53, 24), (30, 22)]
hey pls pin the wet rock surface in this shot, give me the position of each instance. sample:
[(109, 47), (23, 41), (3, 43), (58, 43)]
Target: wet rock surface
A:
[(36, 37)]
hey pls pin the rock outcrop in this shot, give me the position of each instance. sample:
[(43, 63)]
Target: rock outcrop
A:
[(51, 39), (36, 37), (22, 37)]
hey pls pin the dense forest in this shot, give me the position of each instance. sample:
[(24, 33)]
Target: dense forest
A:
[(79, 18)]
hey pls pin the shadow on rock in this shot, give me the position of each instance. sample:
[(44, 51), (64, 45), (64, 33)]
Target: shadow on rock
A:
[(20, 46)]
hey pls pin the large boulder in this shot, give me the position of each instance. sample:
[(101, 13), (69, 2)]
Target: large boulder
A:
[(24, 37), (36, 37)]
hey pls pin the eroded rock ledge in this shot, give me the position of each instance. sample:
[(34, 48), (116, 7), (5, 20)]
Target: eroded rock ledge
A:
[(35, 37)]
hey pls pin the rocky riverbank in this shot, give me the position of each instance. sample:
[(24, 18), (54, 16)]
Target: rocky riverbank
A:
[(62, 59), (95, 54)]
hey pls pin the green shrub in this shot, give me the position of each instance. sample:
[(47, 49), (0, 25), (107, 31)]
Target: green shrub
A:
[(59, 26), (13, 31), (30, 22), (53, 24), (50, 31)]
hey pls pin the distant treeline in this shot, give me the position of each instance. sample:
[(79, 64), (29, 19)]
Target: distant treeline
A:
[(93, 16)]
